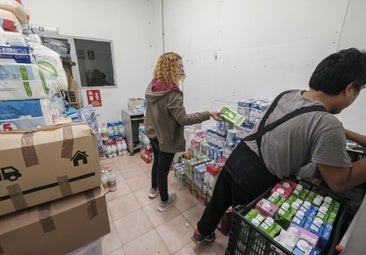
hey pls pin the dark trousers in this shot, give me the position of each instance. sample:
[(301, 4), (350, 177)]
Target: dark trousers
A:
[(160, 169), (243, 178)]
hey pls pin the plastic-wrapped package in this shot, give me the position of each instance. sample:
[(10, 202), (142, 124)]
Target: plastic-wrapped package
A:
[(87, 114), (50, 63), (12, 38), (9, 21), (17, 9), (22, 81)]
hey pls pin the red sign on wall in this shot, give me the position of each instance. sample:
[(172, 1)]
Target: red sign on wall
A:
[(94, 98)]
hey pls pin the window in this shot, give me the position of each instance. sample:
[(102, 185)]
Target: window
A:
[(95, 62), (94, 58)]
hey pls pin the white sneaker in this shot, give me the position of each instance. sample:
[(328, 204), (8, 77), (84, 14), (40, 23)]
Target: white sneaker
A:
[(165, 205), (153, 192)]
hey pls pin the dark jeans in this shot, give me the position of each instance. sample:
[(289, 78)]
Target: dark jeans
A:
[(243, 178), (160, 169)]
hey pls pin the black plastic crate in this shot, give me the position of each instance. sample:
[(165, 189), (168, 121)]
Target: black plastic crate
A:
[(246, 238)]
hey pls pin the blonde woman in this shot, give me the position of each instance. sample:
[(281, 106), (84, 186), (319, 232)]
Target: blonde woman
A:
[(165, 120)]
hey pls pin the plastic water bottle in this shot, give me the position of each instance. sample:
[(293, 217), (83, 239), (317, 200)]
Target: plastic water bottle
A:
[(112, 182), (124, 147), (104, 180)]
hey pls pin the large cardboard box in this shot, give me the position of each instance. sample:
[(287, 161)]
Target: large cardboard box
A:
[(44, 164), (56, 227)]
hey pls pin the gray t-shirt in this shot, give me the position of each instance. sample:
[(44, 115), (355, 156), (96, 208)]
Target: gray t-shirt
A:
[(316, 137)]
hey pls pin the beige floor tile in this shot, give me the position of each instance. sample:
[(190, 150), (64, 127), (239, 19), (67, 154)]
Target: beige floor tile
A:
[(147, 244), (193, 249), (132, 226), (131, 172), (157, 218), (138, 182), (119, 251), (136, 225), (175, 233), (122, 190), (111, 241), (194, 214), (185, 200), (142, 196), (220, 244), (123, 206)]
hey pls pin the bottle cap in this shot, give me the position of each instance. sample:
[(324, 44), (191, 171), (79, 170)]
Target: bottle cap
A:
[(328, 199), (275, 194), (269, 221), (306, 204), (295, 205), (286, 185), (298, 187), (300, 214), (323, 209), (303, 245), (255, 221), (318, 222), (280, 191), (266, 206), (285, 206)]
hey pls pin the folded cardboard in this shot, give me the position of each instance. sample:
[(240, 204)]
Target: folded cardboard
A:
[(56, 227), (43, 164)]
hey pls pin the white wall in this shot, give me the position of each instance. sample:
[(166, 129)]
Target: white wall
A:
[(232, 49), (237, 49), (133, 25)]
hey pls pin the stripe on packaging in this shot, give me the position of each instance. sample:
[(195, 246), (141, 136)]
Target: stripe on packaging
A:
[(91, 204), (64, 184), (45, 218), (28, 149), (68, 142), (17, 197)]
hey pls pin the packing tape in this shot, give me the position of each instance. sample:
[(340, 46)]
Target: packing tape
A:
[(17, 197), (45, 218), (28, 149), (91, 204), (64, 184), (68, 142)]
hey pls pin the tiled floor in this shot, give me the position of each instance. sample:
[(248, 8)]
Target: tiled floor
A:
[(138, 228)]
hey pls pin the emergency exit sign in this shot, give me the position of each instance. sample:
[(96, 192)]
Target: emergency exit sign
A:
[(93, 97)]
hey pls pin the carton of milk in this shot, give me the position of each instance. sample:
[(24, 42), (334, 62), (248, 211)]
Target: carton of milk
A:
[(232, 116)]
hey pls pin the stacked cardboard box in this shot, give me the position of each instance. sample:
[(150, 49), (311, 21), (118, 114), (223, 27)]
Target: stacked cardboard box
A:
[(56, 168), (56, 227)]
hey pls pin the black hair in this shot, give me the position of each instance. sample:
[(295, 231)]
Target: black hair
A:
[(335, 72)]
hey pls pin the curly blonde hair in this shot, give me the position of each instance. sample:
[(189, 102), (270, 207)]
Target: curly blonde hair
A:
[(169, 68)]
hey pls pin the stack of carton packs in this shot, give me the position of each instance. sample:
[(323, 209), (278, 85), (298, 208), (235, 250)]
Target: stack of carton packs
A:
[(50, 196), (31, 77)]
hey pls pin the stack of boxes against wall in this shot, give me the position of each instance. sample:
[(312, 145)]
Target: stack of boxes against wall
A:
[(209, 149), (52, 170)]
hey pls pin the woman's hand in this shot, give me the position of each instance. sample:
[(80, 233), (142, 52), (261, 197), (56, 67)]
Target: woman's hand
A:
[(216, 115)]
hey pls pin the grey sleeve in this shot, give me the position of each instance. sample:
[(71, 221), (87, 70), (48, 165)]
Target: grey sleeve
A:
[(330, 148)]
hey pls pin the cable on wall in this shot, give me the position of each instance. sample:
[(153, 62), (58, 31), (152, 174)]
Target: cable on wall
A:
[(344, 21), (162, 25)]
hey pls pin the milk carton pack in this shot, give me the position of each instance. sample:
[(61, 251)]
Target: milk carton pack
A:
[(231, 116), (22, 81), (266, 207)]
